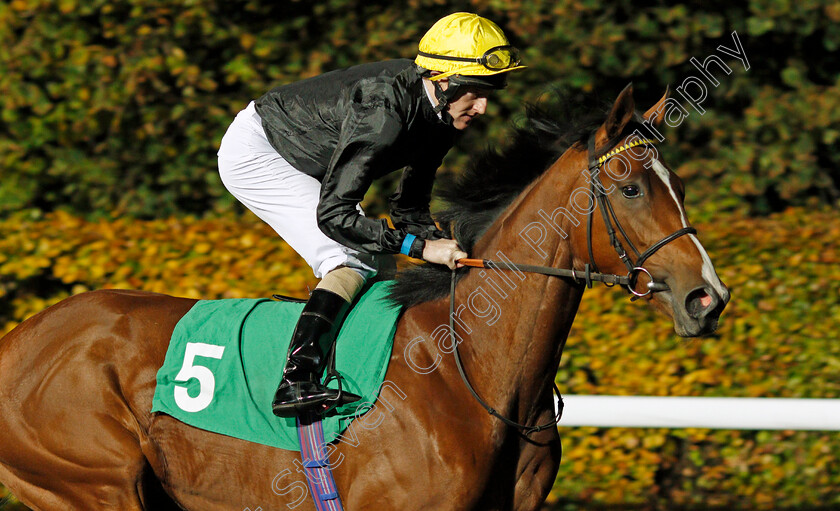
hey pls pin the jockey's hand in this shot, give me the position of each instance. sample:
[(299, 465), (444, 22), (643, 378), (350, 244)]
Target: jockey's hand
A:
[(444, 252)]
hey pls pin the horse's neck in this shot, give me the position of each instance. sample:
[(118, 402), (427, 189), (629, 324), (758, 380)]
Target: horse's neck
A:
[(513, 351)]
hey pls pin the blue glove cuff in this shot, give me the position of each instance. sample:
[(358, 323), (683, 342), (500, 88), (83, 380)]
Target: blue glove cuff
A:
[(406, 246)]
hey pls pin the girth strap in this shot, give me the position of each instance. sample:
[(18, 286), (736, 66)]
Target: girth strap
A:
[(316, 463)]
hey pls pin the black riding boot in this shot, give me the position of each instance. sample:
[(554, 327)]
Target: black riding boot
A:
[(301, 389)]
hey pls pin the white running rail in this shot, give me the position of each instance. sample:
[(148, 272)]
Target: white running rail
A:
[(756, 413)]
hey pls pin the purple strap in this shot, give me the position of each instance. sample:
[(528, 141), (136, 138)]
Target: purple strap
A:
[(316, 467)]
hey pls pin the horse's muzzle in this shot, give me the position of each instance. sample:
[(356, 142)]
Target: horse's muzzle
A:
[(704, 305)]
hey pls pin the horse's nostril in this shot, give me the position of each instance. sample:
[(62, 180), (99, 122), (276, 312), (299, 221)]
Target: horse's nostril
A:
[(697, 301)]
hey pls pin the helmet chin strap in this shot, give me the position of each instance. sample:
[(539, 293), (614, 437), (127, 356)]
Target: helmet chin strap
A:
[(443, 97)]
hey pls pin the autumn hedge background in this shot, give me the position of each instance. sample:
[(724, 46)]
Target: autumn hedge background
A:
[(112, 113)]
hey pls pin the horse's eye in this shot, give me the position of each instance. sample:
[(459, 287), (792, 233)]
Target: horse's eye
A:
[(631, 191)]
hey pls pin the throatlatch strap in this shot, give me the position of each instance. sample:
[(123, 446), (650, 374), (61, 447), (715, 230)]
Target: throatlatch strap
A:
[(316, 465)]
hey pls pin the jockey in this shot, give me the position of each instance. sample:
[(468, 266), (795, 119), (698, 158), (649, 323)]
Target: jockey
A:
[(302, 156)]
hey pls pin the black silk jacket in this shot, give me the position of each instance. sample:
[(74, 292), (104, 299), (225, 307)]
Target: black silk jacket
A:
[(351, 126)]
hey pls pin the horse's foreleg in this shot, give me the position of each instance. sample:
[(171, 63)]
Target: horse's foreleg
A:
[(536, 469)]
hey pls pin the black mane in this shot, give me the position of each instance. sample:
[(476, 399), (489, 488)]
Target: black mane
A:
[(478, 195)]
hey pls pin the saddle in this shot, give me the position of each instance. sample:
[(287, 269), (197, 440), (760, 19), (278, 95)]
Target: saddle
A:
[(220, 371)]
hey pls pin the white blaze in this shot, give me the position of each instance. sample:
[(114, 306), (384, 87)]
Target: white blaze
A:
[(708, 271)]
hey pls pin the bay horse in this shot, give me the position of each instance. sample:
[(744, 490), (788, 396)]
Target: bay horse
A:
[(76, 380)]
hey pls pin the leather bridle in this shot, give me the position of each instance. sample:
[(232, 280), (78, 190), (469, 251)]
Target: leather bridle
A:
[(609, 216), (589, 274)]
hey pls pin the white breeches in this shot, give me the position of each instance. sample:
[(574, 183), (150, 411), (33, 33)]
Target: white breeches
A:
[(282, 196)]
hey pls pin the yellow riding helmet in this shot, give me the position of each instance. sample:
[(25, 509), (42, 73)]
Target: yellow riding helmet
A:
[(466, 44)]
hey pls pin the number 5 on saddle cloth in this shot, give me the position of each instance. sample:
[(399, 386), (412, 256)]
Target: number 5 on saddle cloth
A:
[(220, 370)]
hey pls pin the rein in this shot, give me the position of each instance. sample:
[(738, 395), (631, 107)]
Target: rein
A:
[(588, 275), (526, 430)]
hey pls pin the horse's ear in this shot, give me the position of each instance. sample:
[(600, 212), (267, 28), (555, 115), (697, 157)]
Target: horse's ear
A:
[(655, 110), (620, 114)]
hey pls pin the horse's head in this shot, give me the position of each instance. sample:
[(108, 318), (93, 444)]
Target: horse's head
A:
[(639, 211)]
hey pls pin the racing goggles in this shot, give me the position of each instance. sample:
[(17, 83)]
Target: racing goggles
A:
[(497, 58)]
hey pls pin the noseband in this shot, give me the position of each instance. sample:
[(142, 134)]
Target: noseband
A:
[(589, 274)]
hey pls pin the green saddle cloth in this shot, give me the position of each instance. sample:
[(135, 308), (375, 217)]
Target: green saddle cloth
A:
[(225, 360)]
